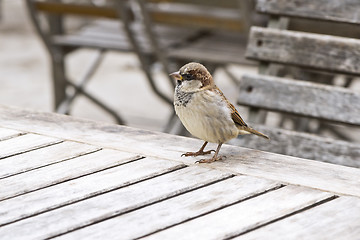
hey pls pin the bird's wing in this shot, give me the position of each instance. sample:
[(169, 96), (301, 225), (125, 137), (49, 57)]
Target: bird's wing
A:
[(234, 113), (236, 116)]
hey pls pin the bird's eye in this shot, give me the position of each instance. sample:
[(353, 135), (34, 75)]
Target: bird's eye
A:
[(187, 76)]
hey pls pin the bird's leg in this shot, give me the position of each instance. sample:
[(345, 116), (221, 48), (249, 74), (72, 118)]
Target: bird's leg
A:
[(214, 158), (200, 152)]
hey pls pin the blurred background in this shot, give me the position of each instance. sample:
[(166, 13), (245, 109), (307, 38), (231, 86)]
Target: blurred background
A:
[(109, 60), (26, 77)]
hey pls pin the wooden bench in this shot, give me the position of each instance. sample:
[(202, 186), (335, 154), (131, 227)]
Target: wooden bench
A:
[(308, 102)]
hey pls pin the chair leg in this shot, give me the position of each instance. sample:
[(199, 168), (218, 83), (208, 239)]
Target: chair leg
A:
[(59, 80), (65, 105)]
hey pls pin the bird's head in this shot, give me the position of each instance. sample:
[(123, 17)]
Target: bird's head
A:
[(193, 77)]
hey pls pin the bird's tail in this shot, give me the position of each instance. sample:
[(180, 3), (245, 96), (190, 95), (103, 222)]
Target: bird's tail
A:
[(253, 131)]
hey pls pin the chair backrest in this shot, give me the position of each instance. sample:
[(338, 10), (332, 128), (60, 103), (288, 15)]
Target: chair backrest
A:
[(327, 104)]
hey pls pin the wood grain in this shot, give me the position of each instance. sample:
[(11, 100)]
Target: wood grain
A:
[(330, 53), (244, 216), (63, 171), (43, 156), (338, 219), (300, 97), (346, 11), (111, 204), (175, 210), (9, 133), (303, 145), (327, 177), (68, 192), (24, 143)]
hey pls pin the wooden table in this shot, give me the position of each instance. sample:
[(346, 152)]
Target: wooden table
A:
[(71, 178)]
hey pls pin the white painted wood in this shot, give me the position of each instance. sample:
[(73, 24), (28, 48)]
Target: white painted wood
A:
[(106, 205), (319, 175), (328, 177), (56, 173), (175, 210), (6, 133), (81, 188), (43, 156), (338, 219), (24, 143), (245, 215)]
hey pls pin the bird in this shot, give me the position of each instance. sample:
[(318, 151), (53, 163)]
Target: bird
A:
[(205, 111)]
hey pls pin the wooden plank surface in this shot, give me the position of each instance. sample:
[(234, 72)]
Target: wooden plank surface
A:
[(43, 156), (68, 192), (25, 143), (6, 133), (110, 204), (300, 97), (243, 216), (303, 145), (63, 171), (338, 219), (332, 10), (327, 177), (175, 210), (317, 51)]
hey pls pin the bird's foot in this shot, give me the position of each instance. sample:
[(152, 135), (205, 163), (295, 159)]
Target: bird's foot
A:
[(198, 153), (210, 160)]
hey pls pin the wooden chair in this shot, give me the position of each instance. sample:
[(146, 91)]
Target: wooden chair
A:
[(105, 31), (224, 26), (312, 102)]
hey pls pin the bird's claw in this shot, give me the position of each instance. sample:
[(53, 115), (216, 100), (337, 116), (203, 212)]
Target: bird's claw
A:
[(198, 153), (210, 160)]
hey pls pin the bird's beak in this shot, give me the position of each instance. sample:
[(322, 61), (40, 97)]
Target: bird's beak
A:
[(176, 76)]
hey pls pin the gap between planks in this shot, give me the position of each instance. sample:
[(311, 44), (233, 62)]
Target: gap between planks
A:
[(326, 200), (144, 171), (123, 200), (74, 168)]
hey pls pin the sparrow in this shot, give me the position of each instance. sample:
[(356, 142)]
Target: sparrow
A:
[(204, 110)]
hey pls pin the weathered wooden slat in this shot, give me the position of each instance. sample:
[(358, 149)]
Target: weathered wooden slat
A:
[(76, 9), (246, 215), (338, 219), (81, 188), (303, 145), (183, 18), (110, 204), (42, 157), (6, 133), (25, 143), (346, 11), (300, 97), (175, 210), (328, 177), (56, 173), (337, 54)]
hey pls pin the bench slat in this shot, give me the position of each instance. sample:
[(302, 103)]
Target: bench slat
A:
[(317, 51), (81, 188), (304, 98), (107, 205), (314, 223), (176, 210), (303, 145), (244, 216), (346, 11)]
